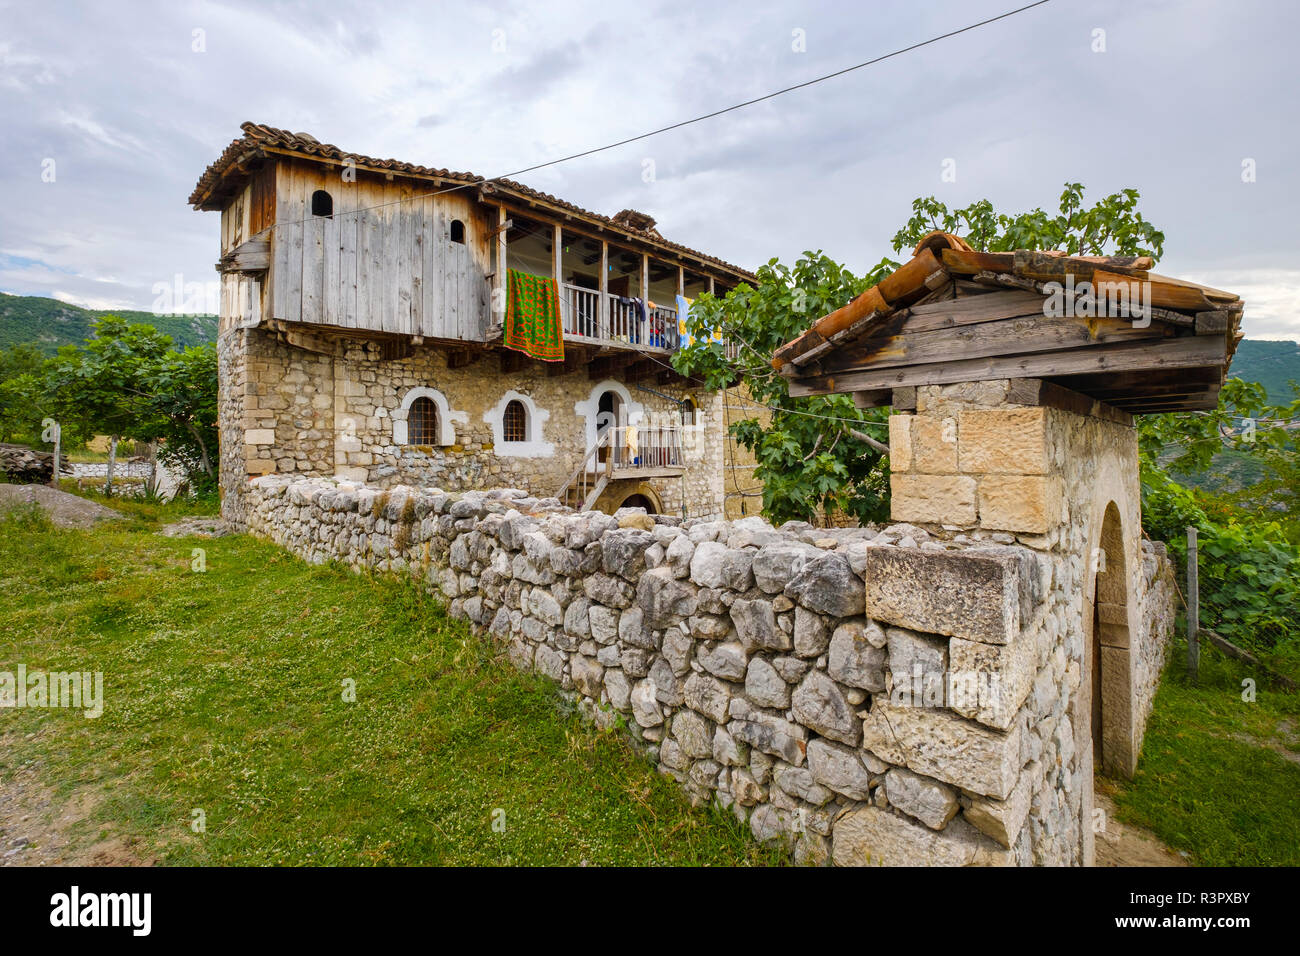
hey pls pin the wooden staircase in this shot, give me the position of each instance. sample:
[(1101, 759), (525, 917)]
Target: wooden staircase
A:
[(653, 453)]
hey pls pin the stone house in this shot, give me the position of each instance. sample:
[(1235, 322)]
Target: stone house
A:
[(362, 336)]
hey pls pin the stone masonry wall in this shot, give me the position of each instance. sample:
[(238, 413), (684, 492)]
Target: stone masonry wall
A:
[(1065, 485), (286, 410), (862, 696)]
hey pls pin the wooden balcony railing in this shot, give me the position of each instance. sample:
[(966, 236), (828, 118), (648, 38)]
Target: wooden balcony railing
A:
[(647, 446), (621, 322)]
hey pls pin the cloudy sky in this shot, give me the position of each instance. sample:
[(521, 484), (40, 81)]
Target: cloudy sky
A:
[(130, 101)]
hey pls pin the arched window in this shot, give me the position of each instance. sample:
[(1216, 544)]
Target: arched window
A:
[(322, 204), (422, 423), (457, 231), (514, 422)]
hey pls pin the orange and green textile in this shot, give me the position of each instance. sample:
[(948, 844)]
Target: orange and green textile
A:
[(533, 324)]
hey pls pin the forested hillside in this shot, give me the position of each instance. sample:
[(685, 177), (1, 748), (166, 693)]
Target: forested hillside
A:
[(49, 323)]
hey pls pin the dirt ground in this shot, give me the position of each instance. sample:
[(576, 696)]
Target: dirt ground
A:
[(1122, 845), (39, 829), (65, 510)]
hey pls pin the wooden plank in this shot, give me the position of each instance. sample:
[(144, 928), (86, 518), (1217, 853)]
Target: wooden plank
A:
[(1216, 322), (404, 224), (1003, 337), (451, 269), (393, 251), (1161, 293), (331, 274), (1185, 352), (904, 399), (430, 269), (290, 236), (971, 310), (313, 269), (373, 285), (347, 256), (416, 212), (968, 263)]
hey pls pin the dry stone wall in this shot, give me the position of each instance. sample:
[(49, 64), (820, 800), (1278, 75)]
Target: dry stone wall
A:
[(863, 696)]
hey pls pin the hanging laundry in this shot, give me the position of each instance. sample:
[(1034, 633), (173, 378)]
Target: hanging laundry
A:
[(533, 323)]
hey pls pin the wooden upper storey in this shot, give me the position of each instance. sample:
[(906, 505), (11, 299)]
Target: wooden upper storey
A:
[(344, 241), (1103, 326)]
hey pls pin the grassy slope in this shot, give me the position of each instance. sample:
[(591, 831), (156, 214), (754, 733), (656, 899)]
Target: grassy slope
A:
[(224, 692), (49, 323), (1219, 776)]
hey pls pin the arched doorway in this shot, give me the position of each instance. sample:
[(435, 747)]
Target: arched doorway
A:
[(609, 414), (1108, 652), (639, 501)]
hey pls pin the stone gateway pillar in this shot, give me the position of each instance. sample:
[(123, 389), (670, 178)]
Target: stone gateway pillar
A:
[(1012, 446)]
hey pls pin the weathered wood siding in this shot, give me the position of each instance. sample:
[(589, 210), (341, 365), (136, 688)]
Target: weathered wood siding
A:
[(384, 261)]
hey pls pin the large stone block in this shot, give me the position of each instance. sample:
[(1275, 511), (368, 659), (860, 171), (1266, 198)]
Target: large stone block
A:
[(1003, 819), (1028, 504), (934, 445), (1004, 441), (990, 681), (980, 594), (940, 744), (870, 836), (900, 443), (937, 499)]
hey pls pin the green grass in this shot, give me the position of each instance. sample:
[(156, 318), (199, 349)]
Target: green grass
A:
[(224, 693), (1208, 781)]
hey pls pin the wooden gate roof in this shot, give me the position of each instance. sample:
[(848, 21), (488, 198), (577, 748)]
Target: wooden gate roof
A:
[(952, 314)]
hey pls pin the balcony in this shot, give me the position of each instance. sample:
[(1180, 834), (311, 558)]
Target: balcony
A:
[(622, 323)]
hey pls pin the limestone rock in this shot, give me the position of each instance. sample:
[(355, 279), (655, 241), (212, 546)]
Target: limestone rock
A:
[(726, 660), (645, 704), (820, 705), (854, 660), (871, 836), (764, 686), (828, 586), (925, 799), (776, 565), (839, 768), (756, 626), (707, 695), (940, 744)]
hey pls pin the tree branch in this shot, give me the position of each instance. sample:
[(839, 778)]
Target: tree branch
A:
[(867, 439)]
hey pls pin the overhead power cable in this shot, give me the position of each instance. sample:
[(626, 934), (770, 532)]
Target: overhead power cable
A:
[(702, 117)]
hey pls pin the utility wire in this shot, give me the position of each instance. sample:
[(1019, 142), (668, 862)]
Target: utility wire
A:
[(697, 119)]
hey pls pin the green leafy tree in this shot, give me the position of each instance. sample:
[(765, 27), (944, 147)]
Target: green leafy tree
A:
[(1111, 226), (20, 419), (100, 387), (180, 397), (815, 453), (823, 453)]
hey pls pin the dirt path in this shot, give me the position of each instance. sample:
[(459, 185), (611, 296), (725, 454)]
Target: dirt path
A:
[(39, 829), (1123, 845), (65, 510)]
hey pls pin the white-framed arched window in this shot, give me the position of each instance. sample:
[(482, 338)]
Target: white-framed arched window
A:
[(517, 425), (425, 418)]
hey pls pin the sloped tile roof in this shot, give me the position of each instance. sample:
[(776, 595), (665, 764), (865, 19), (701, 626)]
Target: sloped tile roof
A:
[(257, 138)]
